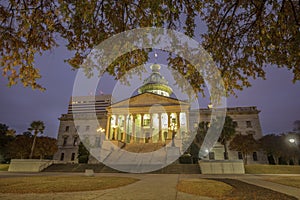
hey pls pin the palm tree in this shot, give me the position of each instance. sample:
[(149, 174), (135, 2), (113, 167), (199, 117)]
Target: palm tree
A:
[(37, 127), (227, 134)]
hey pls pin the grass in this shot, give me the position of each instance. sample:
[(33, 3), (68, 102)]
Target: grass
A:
[(4, 167), (293, 181), (204, 187), (41, 184), (272, 169)]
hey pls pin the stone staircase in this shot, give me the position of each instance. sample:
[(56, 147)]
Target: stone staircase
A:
[(101, 168), (135, 158), (143, 147), (98, 168)]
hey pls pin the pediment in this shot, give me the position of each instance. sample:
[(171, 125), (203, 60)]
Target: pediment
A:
[(148, 99)]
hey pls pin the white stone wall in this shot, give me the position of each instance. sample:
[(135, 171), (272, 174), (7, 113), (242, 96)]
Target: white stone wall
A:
[(240, 115), (87, 129)]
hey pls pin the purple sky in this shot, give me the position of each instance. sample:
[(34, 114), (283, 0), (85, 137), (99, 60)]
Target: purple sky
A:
[(277, 97)]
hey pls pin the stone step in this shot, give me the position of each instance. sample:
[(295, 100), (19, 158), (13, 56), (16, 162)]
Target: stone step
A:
[(101, 168)]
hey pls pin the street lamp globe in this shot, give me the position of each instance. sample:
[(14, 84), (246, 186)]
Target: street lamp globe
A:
[(292, 140)]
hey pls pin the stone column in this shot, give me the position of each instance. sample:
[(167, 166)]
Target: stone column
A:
[(169, 124), (132, 138), (142, 138), (116, 128), (151, 127), (159, 128), (107, 130), (125, 126), (178, 124), (187, 123)]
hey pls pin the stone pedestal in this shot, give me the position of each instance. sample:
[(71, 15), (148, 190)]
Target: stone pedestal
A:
[(222, 167), (28, 165)]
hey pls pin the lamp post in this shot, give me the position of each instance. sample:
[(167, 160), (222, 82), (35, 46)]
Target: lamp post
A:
[(173, 129), (100, 130), (293, 145), (100, 139)]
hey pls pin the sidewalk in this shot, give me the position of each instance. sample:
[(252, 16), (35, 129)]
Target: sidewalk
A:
[(150, 186), (258, 181)]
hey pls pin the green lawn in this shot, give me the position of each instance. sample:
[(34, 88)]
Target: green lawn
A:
[(4, 167), (42, 184), (204, 187), (285, 180), (272, 169)]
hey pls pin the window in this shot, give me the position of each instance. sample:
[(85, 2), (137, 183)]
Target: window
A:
[(235, 123), (147, 138), (65, 141), (62, 156), (254, 156), (173, 120), (248, 124), (75, 141), (211, 155), (73, 157), (67, 128), (240, 155), (146, 122), (87, 128), (250, 133)]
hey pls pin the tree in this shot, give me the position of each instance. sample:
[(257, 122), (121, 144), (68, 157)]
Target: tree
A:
[(37, 127), (6, 136), (3, 141), (272, 145), (242, 36), (244, 144), (46, 147), (227, 134), (83, 153), (195, 145), (296, 126), (3, 129), (291, 148), (19, 147)]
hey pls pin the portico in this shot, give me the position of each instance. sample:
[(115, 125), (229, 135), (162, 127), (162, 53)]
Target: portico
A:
[(147, 118)]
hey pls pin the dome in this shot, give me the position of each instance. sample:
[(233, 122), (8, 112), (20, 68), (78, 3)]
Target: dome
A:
[(156, 83)]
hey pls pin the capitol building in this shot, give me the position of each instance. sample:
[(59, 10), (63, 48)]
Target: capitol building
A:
[(151, 119)]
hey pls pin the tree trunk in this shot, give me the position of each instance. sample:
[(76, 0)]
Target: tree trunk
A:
[(225, 151), (275, 160), (245, 159), (33, 145)]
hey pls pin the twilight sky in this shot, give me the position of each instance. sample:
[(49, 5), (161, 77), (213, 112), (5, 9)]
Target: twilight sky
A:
[(277, 97)]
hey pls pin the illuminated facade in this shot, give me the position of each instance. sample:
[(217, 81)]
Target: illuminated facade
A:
[(152, 116)]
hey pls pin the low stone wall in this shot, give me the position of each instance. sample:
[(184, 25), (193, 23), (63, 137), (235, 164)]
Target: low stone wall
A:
[(28, 165), (222, 167)]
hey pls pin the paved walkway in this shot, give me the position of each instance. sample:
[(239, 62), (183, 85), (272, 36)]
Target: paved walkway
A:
[(150, 186), (258, 180)]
